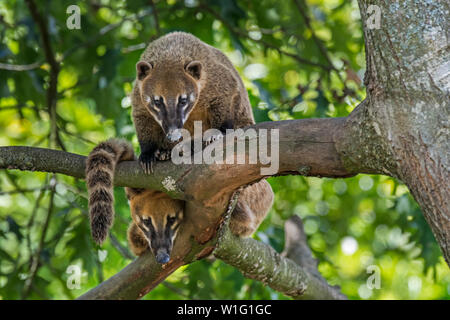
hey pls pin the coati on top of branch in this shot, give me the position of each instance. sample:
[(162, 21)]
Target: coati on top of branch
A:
[(179, 80)]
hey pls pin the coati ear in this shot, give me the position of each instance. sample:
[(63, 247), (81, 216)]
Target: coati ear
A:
[(194, 68), (143, 69), (132, 192)]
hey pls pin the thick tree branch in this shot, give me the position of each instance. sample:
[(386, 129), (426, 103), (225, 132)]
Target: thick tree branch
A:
[(306, 147)]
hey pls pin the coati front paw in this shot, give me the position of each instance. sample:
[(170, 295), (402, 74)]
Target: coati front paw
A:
[(147, 160)]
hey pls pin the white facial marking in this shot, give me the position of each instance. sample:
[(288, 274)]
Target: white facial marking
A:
[(192, 97), (147, 99), (159, 121), (155, 116), (174, 235)]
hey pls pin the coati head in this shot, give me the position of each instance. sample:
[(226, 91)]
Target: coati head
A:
[(159, 218), (169, 93)]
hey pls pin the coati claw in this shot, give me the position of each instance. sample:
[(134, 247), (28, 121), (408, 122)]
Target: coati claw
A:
[(146, 161)]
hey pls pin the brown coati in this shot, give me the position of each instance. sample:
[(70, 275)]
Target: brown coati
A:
[(156, 217), (179, 80)]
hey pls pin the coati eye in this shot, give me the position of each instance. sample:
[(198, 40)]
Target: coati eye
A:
[(171, 220), (182, 101), (158, 101)]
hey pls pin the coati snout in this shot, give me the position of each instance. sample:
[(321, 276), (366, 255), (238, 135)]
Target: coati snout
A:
[(169, 93)]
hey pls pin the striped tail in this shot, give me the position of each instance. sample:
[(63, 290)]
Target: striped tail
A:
[(100, 166)]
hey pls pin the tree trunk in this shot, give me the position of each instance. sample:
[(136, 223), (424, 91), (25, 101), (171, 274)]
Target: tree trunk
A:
[(402, 128)]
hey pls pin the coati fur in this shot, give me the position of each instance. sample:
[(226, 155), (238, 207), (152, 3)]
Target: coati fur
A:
[(179, 80), (155, 216)]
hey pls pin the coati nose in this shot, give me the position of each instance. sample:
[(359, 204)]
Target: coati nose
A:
[(162, 256), (174, 135)]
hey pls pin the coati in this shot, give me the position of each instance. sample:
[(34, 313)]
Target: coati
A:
[(155, 216), (179, 80)]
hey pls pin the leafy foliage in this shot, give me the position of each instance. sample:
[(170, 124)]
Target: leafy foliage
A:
[(299, 59)]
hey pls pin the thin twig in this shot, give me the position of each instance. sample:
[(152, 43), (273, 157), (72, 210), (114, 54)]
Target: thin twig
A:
[(36, 259), (22, 67), (156, 18), (15, 191), (302, 9), (52, 90), (33, 216), (266, 44)]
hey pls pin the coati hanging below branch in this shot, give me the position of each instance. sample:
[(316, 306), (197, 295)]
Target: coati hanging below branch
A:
[(156, 217), (179, 80)]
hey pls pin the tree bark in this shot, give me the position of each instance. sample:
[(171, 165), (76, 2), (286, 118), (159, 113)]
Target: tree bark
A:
[(402, 128)]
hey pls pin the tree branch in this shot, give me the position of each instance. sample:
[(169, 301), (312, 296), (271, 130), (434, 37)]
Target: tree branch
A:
[(296, 248), (261, 262), (238, 32), (296, 245), (307, 147)]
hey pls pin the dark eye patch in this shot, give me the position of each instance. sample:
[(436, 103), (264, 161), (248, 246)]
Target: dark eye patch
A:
[(182, 101), (171, 220), (148, 224)]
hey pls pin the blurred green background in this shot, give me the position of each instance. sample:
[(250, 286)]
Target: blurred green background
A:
[(299, 59)]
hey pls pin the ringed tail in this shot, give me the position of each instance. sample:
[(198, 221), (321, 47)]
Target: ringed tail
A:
[(100, 166)]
